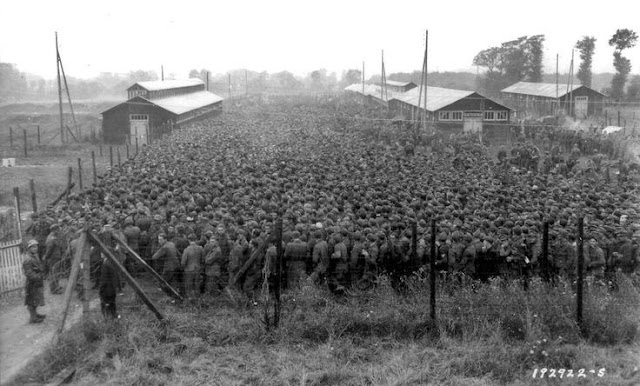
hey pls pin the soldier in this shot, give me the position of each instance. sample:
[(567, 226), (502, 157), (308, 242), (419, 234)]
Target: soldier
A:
[(340, 264), (192, 259), (320, 258), (594, 257), (356, 262), (213, 268), (34, 272), (108, 288), (239, 255), (53, 258), (132, 238), (167, 256), (295, 254)]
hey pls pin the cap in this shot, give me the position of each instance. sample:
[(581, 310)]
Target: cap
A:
[(31, 243)]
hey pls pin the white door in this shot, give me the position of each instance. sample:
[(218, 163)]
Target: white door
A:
[(472, 124), (139, 127), (581, 106)]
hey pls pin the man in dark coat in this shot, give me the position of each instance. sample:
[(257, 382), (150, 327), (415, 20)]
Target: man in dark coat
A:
[(108, 288), (33, 269), (167, 256), (53, 258)]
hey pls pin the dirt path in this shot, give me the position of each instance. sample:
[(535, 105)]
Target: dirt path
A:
[(20, 341)]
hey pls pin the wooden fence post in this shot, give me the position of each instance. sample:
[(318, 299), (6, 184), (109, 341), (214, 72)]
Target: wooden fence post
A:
[(580, 271), (119, 161), (432, 273), (110, 156), (69, 181), (10, 136), (136, 145), (86, 273), (75, 267), (24, 132), (127, 151), (80, 173), (93, 161), (34, 204), (16, 199), (278, 287), (38, 134)]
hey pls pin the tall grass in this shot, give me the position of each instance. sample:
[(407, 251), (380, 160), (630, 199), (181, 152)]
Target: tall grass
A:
[(494, 333)]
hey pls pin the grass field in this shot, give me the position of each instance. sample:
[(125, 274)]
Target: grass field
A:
[(492, 334)]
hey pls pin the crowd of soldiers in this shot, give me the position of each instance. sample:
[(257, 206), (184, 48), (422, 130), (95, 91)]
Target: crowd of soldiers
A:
[(198, 206)]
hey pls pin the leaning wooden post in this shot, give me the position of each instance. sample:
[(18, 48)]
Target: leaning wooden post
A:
[(71, 284), (34, 204), (580, 270), (148, 268), (80, 173), (432, 273), (24, 131), (122, 271), (86, 273), (93, 163)]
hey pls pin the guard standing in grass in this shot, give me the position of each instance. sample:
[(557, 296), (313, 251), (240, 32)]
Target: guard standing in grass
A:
[(33, 269)]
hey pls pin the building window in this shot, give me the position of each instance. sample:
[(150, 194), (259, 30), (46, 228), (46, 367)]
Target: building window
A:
[(138, 117), (489, 116), (444, 115), (456, 115), (501, 115)]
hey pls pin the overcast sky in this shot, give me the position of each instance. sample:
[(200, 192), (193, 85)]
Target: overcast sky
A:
[(300, 36)]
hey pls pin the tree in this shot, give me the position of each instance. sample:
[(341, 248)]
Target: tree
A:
[(491, 58), (633, 91), (621, 40), (351, 76), (587, 47), (534, 55), (194, 74)]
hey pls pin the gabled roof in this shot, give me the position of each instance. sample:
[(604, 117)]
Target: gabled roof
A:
[(437, 97), (398, 83), (156, 85), (371, 90), (180, 104), (547, 90)]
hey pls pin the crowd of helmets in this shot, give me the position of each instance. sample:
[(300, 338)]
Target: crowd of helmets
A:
[(349, 199)]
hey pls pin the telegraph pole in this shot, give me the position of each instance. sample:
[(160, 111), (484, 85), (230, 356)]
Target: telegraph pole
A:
[(59, 91)]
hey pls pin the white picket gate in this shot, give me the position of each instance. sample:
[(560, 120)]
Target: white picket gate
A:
[(11, 275)]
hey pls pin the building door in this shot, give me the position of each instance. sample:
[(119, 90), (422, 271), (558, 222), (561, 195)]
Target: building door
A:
[(581, 108), (139, 128), (472, 124)]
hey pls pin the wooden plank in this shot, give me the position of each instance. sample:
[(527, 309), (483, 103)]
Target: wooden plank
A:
[(148, 268), (254, 256), (62, 377), (126, 275)]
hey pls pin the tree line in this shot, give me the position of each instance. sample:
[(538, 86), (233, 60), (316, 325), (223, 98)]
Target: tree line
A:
[(521, 60)]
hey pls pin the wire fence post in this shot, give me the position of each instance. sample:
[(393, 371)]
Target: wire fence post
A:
[(80, 173), (38, 134), (546, 275), (69, 181), (93, 162), (136, 145), (10, 136), (278, 286), (432, 271), (16, 198), (127, 151), (110, 155), (34, 203), (119, 160), (580, 271), (24, 132)]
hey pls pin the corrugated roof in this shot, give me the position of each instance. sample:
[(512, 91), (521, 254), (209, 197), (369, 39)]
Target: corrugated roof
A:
[(437, 97), (156, 85), (547, 90), (372, 90), (181, 104), (397, 83)]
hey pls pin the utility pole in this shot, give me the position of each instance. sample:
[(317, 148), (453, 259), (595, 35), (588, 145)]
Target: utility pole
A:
[(162, 72), (426, 77), (59, 91), (207, 80), (557, 83), (363, 79)]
